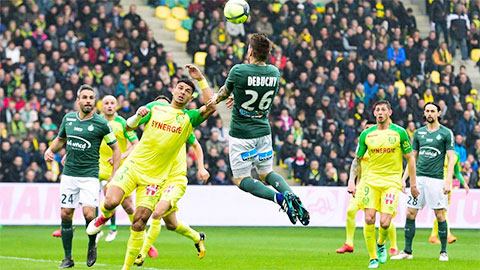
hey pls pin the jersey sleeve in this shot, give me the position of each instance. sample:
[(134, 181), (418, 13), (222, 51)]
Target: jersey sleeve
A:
[(191, 139), (61, 132), (449, 140), (405, 141), (362, 146), (230, 82), (108, 134), (147, 117), (195, 117)]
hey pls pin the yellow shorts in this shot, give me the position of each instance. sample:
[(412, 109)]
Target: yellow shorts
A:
[(359, 194), (173, 191), (382, 199), (104, 173), (128, 179)]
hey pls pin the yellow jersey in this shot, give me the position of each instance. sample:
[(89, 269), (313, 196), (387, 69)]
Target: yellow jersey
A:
[(166, 132), (123, 137), (180, 165), (385, 149)]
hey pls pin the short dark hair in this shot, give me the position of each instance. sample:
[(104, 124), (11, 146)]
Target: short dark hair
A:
[(382, 102), (434, 104), (188, 82), (164, 98), (85, 87), (261, 46)]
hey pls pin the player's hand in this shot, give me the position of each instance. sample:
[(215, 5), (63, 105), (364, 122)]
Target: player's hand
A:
[(49, 156), (467, 189), (351, 188), (110, 160), (213, 100), (404, 187), (204, 175), (143, 111), (64, 158), (229, 102), (446, 187), (194, 72), (414, 191)]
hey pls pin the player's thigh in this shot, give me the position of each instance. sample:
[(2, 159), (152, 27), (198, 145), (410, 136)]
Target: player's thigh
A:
[(147, 196), (89, 191), (126, 179), (434, 196), (419, 202), (173, 191), (69, 192), (243, 153), (389, 200), (371, 197), (264, 160), (171, 221)]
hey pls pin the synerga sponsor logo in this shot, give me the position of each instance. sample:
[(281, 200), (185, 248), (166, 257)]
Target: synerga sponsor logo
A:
[(79, 143)]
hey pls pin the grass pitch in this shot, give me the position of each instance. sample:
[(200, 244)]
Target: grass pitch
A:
[(33, 247)]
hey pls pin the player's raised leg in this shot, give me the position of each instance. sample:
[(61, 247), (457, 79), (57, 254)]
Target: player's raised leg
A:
[(182, 228), (137, 234), (107, 207)]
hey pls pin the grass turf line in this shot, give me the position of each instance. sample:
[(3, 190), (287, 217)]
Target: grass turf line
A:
[(33, 247)]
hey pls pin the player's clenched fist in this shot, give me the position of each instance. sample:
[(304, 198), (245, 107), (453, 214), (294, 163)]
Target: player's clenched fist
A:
[(414, 191), (229, 102), (204, 175), (143, 111)]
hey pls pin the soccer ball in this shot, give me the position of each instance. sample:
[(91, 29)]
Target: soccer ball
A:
[(236, 11)]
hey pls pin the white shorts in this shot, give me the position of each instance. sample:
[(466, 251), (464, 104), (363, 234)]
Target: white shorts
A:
[(245, 153), (431, 194), (79, 190)]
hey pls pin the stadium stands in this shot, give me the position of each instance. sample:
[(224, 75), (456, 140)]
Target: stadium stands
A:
[(336, 59)]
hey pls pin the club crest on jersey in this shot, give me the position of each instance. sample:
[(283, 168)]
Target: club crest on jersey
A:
[(180, 118), (439, 137), (392, 140), (90, 128)]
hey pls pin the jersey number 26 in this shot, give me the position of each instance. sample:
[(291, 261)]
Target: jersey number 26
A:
[(265, 101)]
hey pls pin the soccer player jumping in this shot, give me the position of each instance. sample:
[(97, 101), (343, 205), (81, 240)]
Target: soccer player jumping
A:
[(430, 145), (146, 169), (386, 143), (254, 86)]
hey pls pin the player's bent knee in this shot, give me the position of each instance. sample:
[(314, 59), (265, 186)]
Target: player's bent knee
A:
[(237, 181), (66, 214), (411, 213), (440, 214), (170, 226), (139, 225)]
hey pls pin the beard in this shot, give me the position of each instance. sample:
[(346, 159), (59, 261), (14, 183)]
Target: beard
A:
[(430, 120), (86, 110)]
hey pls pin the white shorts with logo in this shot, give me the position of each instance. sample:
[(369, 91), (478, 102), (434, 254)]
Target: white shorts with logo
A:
[(431, 194), (245, 153), (79, 190)]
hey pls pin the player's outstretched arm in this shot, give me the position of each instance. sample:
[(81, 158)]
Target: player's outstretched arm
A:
[(56, 145), (134, 120), (207, 109), (450, 168), (196, 74), (223, 94), (202, 172), (116, 158), (412, 171)]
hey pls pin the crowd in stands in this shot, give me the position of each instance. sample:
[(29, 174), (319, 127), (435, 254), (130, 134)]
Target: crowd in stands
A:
[(335, 64)]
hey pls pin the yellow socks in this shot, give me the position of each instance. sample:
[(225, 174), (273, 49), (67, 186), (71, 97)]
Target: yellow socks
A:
[(130, 216), (134, 245), (350, 228), (392, 234), (434, 228), (106, 213), (152, 235), (382, 236), (369, 234), (186, 231)]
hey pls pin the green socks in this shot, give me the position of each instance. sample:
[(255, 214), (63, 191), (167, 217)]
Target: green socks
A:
[(257, 188), (91, 238), (277, 182), (409, 234), (67, 236), (442, 234), (113, 225)]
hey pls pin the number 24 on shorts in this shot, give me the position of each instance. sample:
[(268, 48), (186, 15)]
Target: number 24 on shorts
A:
[(70, 198)]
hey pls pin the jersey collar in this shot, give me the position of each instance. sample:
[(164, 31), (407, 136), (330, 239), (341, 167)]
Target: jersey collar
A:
[(81, 120)]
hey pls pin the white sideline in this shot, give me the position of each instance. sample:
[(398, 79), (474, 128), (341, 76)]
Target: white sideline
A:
[(52, 261)]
